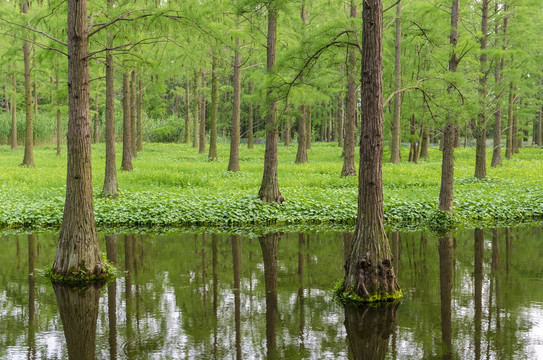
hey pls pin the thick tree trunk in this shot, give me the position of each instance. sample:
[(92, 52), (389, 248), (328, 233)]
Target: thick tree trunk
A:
[(447, 170), (79, 313), (233, 162), (126, 163), (213, 126), (250, 139), (110, 179), (509, 142), (480, 153), (13, 113), (396, 126), (187, 111), (269, 189), (369, 272), (269, 244), (28, 159), (132, 104), (77, 249), (350, 120), (196, 117), (58, 118), (368, 330), (202, 142)]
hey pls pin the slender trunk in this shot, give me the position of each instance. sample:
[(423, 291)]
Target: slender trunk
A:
[(509, 143), (7, 100), (287, 133), (139, 121), (250, 139), (348, 148), (309, 128), (13, 113), (340, 121), (233, 162), (126, 163), (35, 98), (539, 124), (369, 272), (425, 143), (132, 104), (269, 189), (202, 142), (110, 179), (497, 153), (95, 130), (196, 117), (447, 170), (187, 112), (480, 150), (396, 126), (28, 159), (213, 126), (58, 116), (301, 154), (515, 140), (77, 250)]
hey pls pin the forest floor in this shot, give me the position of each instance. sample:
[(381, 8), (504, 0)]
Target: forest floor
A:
[(172, 186)]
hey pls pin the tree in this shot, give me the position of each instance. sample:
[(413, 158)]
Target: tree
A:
[(368, 271), (396, 140), (301, 154), (77, 252), (269, 188), (126, 163), (28, 159), (233, 162)]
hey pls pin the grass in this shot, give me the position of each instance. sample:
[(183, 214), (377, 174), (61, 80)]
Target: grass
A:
[(173, 185)]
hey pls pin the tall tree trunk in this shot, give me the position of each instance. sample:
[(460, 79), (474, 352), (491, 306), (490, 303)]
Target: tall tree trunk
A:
[(236, 265), (340, 121), (250, 139), (301, 153), (515, 138), (139, 120), (447, 143), (95, 130), (309, 128), (126, 163), (396, 126), (7, 99), (111, 186), (425, 142), (132, 104), (349, 146), (233, 162), (369, 272), (77, 249), (500, 65), (187, 111), (202, 142), (480, 131), (196, 135), (13, 113), (35, 98), (509, 143), (213, 126), (479, 248), (445, 285), (58, 116), (269, 189), (269, 244), (28, 159), (286, 133)]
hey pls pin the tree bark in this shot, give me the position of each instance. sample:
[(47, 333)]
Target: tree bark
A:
[(515, 138), (126, 163), (480, 153), (202, 142), (425, 142), (396, 126), (349, 146), (213, 126), (480, 131), (111, 186), (58, 117), (250, 139), (132, 111), (28, 159), (233, 162), (340, 121), (269, 189), (369, 272), (139, 120), (187, 111), (309, 128), (500, 65), (447, 171), (196, 135), (509, 143), (77, 249), (13, 113), (95, 130), (269, 244)]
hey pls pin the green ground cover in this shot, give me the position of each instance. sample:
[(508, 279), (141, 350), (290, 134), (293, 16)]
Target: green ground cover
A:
[(173, 186)]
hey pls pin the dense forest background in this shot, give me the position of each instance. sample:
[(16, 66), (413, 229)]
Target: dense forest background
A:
[(180, 60)]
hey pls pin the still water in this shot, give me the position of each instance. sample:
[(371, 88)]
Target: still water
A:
[(477, 295)]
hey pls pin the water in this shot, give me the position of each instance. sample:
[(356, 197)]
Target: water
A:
[(477, 296)]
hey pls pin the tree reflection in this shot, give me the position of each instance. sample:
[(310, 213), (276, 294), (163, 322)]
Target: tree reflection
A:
[(31, 296), (111, 248), (236, 255), (479, 239), (368, 330), (269, 244), (79, 311), (445, 282)]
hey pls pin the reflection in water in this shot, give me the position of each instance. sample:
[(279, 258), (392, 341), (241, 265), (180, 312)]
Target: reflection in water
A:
[(301, 302), (269, 244), (479, 239), (368, 330), (31, 297), (78, 311), (236, 254), (111, 248), (445, 283)]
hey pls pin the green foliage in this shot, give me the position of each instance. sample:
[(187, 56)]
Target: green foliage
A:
[(442, 222), (349, 297), (81, 279)]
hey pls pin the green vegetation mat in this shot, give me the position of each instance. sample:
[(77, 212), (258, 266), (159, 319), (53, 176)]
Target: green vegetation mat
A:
[(174, 186)]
